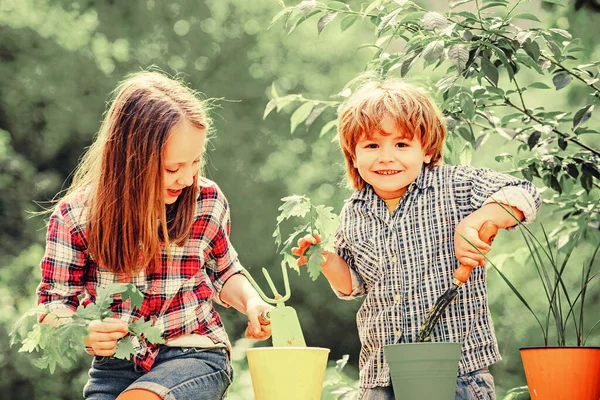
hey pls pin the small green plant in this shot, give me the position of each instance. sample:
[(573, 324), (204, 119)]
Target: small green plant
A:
[(565, 303), (338, 386), (62, 344), (315, 219)]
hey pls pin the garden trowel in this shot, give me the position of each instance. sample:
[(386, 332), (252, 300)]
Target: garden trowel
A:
[(487, 233)]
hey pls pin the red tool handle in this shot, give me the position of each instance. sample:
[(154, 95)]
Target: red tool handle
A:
[(487, 233)]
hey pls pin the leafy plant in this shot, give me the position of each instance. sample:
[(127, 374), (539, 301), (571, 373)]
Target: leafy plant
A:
[(314, 219), (565, 304), (500, 73), (62, 344)]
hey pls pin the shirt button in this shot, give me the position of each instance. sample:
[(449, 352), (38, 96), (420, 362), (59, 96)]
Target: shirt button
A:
[(398, 333), (154, 290), (397, 297), (394, 259)]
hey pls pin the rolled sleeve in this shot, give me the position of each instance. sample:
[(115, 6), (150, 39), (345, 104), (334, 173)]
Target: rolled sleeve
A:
[(63, 265), (518, 197), (342, 249), (223, 262)]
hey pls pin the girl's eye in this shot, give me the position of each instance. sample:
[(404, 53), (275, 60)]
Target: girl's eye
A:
[(171, 171), (196, 162)]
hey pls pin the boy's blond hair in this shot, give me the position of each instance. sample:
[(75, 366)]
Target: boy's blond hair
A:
[(412, 109)]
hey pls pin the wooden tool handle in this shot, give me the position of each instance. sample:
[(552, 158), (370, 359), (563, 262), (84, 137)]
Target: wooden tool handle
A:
[(487, 233), (263, 318)]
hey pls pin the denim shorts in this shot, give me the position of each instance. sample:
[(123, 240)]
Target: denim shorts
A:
[(477, 385), (179, 373)]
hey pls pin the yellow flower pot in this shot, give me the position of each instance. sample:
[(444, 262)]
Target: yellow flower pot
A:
[(290, 373)]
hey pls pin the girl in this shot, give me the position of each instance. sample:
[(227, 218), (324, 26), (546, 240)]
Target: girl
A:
[(138, 211)]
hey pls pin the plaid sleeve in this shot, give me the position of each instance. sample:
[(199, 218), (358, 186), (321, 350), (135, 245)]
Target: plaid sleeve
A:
[(63, 265), (223, 262), (488, 185), (343, 249)]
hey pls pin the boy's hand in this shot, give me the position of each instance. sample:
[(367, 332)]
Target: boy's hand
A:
[(303, 245), (465, 237)]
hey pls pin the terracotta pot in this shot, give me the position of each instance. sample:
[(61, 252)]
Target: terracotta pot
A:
[(557, 373)]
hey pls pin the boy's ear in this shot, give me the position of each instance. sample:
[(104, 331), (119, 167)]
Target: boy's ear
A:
[(427, 158)]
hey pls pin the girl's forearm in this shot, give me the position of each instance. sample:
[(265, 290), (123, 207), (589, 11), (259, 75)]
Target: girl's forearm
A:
[(337, 272), (239, 292)]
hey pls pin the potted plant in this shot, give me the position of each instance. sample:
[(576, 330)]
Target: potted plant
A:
[(563, 366)]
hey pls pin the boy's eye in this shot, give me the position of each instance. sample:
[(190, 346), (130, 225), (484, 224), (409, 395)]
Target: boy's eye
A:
[(371, 146), (401, 144)]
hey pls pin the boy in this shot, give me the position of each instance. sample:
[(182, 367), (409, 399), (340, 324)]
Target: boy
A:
[(407, 227)]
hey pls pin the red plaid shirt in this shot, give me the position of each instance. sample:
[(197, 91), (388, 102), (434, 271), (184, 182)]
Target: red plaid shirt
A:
[(177, 297)]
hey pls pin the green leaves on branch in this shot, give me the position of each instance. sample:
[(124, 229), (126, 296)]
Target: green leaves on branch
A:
[(313, 219), (500, 66), (62, 344)]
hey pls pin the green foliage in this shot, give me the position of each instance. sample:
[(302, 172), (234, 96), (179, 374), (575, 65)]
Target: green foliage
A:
[(495, 68), (63, 343), (316, 219), (564, 301)]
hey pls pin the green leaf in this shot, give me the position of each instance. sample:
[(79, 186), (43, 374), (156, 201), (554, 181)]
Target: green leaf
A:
[(433, 51), (582, 115), (467, 105), (132, 293), (348, 21), (434, 20), (300, 115), (590, 169), (388, 20), (374, 5), (284, 12), (124, 349), (539, 85), (327, 127), (490, 71), (337, 5), (533, 139), (561, 80), (315, 259), (459, 55), (527, 16), (466, 154), (532, 49), (504, 157), (324, 20), (293, 206)]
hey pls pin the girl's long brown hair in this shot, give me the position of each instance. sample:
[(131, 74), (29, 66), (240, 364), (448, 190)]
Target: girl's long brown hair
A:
[(122, 173)]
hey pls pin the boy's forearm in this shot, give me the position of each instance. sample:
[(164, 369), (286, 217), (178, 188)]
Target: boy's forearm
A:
[(503, 215), (337, 272)]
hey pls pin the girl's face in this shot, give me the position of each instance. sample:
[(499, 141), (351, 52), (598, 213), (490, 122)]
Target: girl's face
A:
[(389, 162), (181, 158)]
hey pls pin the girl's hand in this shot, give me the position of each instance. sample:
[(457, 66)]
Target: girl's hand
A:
[(258, 328), (303, 245), (103, 336), (465, 237)]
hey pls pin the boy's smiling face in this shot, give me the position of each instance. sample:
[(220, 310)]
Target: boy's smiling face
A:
[(389, 161)]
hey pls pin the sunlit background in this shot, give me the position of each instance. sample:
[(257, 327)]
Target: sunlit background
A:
[(59, 62)]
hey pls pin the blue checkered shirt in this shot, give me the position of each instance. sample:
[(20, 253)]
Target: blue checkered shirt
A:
[(402, 262)]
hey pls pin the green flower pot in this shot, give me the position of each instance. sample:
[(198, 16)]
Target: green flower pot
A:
[(425, 371)]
